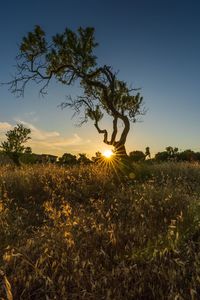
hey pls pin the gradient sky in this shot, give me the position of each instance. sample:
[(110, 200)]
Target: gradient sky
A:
[(155, 45)]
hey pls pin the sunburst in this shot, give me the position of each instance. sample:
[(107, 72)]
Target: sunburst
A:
[(107, 153)]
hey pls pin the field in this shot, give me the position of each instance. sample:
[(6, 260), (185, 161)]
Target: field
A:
[(84, 233)]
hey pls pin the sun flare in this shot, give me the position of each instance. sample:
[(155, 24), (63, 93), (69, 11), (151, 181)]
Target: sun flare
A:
[(107, 153)]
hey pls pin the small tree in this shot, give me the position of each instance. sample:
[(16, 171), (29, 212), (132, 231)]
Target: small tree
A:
[(83, 160), (171, 154), (67, 58), (137, 156), (162, 156), (16, 138), (97, 158), (147, 153), (188, 155), (28, 150), (68, 159)]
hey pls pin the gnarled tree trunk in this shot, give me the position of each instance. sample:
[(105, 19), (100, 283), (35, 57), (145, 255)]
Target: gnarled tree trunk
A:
[(120, 150)]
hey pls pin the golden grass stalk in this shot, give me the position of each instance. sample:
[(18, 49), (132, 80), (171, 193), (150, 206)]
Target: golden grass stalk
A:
[(7, 286)]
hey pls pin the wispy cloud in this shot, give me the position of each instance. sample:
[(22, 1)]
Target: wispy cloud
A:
[(4, 126), (56, 145), (39, 134), (31, 116), (52, 141), (45, 141)]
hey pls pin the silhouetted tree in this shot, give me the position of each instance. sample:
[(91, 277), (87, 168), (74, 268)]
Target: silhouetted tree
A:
[(16, 138), (83, 159), (28, 150), (97, 157), (137, 156), (68, 159), (197, 154), (172, 151), (162, 156), (171, 154), (147, 152), (188, 155), (67, 58)]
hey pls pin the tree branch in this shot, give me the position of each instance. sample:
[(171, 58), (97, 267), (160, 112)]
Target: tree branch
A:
[(104, 131), (114, 134)]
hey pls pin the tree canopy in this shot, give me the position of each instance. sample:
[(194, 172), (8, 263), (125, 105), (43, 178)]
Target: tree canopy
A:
[(14, 145), (137, 156), (69, 57)]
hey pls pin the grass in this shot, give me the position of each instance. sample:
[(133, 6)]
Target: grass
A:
[(83, 233)]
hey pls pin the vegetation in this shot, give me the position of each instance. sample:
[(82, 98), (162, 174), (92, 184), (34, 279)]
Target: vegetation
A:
[(68, 159), (14, 146), (77, 230), (82, 233), (69, 57), (173, 154), (137, 156)]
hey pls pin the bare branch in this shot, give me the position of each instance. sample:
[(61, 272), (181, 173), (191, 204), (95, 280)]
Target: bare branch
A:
[(102, 131)]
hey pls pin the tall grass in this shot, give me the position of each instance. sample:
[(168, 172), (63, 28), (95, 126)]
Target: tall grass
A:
[(81, 233)]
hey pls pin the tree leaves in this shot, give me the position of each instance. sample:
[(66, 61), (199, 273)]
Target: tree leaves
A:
[(69, 57), (15, 140)]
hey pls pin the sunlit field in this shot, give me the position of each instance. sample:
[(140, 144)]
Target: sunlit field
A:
[(86, 233)]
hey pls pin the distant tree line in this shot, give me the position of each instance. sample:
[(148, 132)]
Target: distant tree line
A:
[(173, 154), (169, 154), (67, 159), (13, 149)]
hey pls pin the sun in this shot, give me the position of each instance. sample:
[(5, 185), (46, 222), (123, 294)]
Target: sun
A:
[(107, 153)]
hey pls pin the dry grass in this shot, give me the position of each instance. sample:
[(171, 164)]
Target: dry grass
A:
[(81, 233)]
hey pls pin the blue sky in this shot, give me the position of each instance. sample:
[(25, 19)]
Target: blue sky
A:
[(155, 45)]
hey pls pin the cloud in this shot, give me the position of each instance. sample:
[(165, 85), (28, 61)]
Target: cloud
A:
[(66, 142), (39, 134), (57, 143), (4, 126), (52, 141), (31, 116)]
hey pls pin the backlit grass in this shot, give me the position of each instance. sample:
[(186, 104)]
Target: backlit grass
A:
[(81, 233)]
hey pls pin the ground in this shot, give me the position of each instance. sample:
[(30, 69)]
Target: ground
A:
[(87, 233)]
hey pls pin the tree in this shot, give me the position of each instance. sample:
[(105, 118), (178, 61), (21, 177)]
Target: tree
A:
[(162, 156), (137, 156), (83, 160), (67, 58), (16, 138), (147, 153), (188, 155), (171, 151), (68, 159), (28, 150), (98, 157), (171, 154)]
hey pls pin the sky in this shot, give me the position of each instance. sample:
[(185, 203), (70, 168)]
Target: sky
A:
[(153, 45)]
